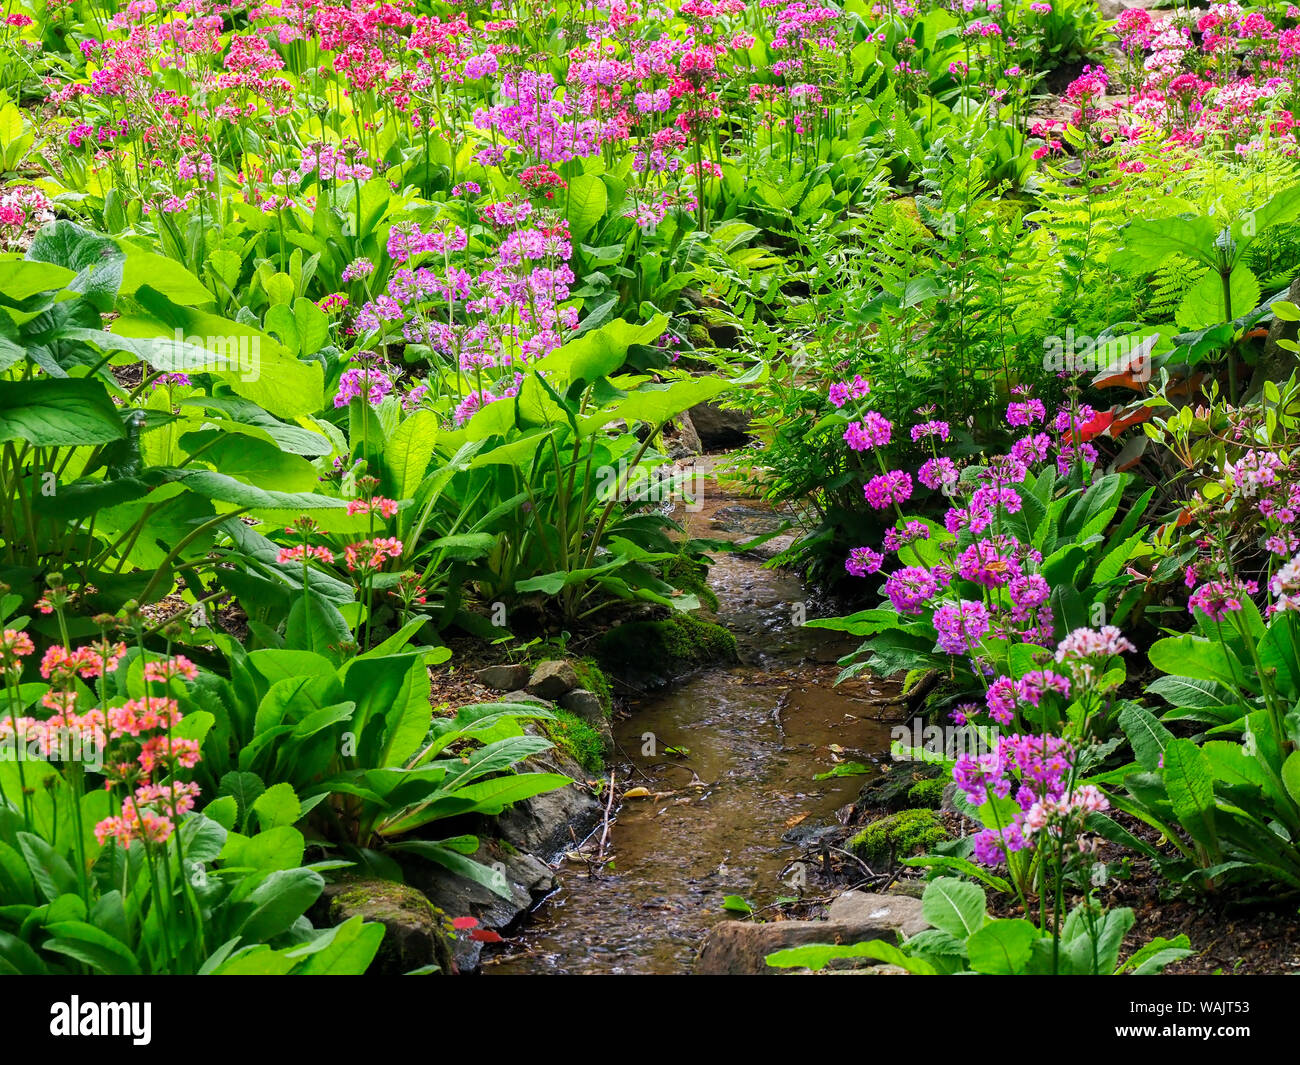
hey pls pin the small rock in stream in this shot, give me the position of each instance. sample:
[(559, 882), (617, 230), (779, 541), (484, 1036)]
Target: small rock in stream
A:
[(740, 948)]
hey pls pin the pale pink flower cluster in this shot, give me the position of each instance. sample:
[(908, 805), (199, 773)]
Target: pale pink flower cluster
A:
[(1051, 814), (1084, 651)]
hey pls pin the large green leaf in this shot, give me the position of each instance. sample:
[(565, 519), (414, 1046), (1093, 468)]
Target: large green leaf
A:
[(51, 871), (1002, 948), (1291, 776), (408, 451), (1195, 656), (1147, 736), (395, 689), (1192, 693), (654, 404), (1190, 787), (94, 947), (1148, 242), (21, 278), (483, 797), (1203, 304), (233, 414), (585, 204), (50, 413), (164, 275), (254, 365), (345, 950), (219, 487), (315, 624), (954, 906), (602, 351), (451, 859), (278, 902), (249, 459)]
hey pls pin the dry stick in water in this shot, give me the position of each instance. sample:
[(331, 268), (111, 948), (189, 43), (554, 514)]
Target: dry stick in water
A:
[(609, 806)]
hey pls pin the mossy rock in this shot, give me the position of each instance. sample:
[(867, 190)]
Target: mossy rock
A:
[(578, 738), (898, 836), (902, 786), (592, 677), (668, 646), (692, 576), (927, 794), (415, 931)]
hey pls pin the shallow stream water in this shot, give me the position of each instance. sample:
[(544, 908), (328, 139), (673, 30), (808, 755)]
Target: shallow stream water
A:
[(753, 736)]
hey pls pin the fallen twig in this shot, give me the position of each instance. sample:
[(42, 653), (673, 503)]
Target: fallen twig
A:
[(604, 832)]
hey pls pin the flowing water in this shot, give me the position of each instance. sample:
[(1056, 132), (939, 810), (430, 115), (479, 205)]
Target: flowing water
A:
[(753, 736)]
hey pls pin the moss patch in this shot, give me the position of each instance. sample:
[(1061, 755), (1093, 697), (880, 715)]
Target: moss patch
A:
[(676, 641), (927, 793), (592, 677), (415, 931), (902, 785), (898, 836), (578, 738), (691, 576)]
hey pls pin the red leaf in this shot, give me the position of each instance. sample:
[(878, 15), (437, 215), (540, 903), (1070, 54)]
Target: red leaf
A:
[(464, 922), (485, 935), (1123, 421), (1095, 426)]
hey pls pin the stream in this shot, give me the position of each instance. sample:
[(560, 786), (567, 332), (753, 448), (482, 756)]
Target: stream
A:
[(753, 737)]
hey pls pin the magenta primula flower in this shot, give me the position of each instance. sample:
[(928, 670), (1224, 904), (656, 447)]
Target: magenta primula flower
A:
[(911, 532), (1026, 412), (1001, 700), (909, 589), (1039, 682), (873, 431), (1220, 598), (863, 561), (888, 488), (959, 627), (472, 403), (931, 428), (841, 392), (938, 473)]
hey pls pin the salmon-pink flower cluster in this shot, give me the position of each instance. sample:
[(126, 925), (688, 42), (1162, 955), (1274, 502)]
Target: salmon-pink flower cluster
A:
[(374, 505), (87, 662), (366, 555), (15, 645), (162, 670), (143, 715), (163, 752), (305, 552), (143, 823), (176, 797)]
